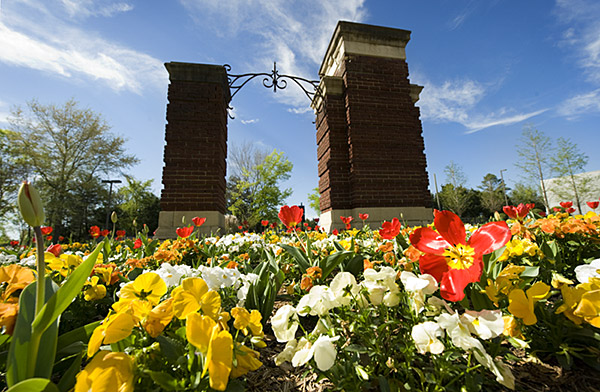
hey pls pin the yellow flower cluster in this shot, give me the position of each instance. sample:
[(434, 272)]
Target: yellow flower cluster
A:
[(207, 330), (582, 302), (518, 247)]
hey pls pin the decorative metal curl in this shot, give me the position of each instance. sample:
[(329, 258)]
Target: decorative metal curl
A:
[(272, 80)]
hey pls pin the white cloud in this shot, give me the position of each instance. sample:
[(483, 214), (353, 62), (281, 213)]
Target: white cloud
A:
[(87, 8), (252, 121), (580, 104), (60, 48), (295, 34), (456, 101)]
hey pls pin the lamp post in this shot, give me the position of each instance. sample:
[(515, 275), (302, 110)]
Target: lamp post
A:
[(111, 182), (504, 187)]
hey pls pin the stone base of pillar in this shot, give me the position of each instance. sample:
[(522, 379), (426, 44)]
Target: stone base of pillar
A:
[(169, 221), (408, 216)]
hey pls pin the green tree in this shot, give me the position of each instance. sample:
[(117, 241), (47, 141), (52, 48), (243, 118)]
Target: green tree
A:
[(253, 189), (566, 163), (454, 196), (535, 151), (492, 193), (137, 205), (68, 148), (314, 200), (522, 193)]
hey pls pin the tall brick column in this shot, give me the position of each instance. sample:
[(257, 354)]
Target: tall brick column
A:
[(370, 143), (196, 148)]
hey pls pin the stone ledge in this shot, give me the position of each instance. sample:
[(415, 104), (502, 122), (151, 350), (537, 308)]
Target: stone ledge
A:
[(204, 73), (409, 216)]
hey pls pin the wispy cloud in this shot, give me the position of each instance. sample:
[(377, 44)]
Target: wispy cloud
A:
[(296, 34), (252, 121), (87, 8), (456, 101), (580, 104), (463, 15), (60, 48)]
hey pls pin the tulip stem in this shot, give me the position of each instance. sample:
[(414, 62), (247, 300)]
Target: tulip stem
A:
[(41, 270)]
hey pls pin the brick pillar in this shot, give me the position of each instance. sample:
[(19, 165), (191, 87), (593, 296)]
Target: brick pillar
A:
[(196, 148), (386, 170)]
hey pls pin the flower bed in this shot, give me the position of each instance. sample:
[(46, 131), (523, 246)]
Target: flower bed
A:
[(444, 307)]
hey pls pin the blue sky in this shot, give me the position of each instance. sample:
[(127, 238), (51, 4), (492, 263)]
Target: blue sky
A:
[(488, 67)]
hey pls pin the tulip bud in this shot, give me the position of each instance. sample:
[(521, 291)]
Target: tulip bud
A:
[(30, 204), (113, 217)]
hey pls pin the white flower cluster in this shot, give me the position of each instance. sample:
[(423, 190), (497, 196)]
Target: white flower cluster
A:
[(10, 259), (215, 277)]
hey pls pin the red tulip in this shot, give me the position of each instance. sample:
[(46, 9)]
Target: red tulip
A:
[(264, 222), (55, 249), (363, 217), (137, 244), (46, 230), (346, 219), (335, 232), (519, 212), (198, 221), (571, 210), (105, 233), (49, 238), (556, 209), (14, 243), (290, 216), (95, 231), (121, 233), (452, 260), (566, 204), (61, 238), (185, 232), (593, 204), (389, 230)]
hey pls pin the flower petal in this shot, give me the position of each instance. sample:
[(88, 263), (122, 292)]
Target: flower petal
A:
[(433, 265), (452, 286), (489, 237), (428, 240), (449, 225)]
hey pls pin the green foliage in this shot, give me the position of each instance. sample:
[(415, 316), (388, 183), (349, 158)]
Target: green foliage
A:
[(136, 203), (522, 193), (314, 200), (254, 192), (492, 193)]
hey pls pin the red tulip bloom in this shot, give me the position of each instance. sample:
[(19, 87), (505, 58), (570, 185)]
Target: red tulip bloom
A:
[(61, 238), (49, 238), (335, 232), (46, 230), (519, 212), (137, 244), (290, 216), (571, 210), (449, 258), (264, 222), (121, 233), (542, 213), (14, 243), (105, 233), (95, 231), (566, 204), (556, 209), (593, 204), (185, 232), (55, 249), (363, 217), (389, 230), (198, 221)]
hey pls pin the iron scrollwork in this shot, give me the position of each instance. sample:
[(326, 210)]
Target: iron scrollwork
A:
[(272, 80)]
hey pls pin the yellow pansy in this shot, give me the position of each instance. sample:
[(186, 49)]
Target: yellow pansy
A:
[(159, 318), (56, 264), (137, 308), (72, 261), (108, 371), (571, 297), (589, 308), (521, 305), (504, 283), (148, 286), (245, 320), (511, 327), (105, 273), (246, 361), (192, 295), (205, 334), (94, 290), (115, 327)]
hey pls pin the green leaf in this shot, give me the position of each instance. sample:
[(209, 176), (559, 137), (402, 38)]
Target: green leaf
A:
[(18, 367), (171, 348), (530, 272), (300, 258), (354, 265), (164, 380), (329, 263), (81, 334), (68, 379), (65, 295), (34, 385)]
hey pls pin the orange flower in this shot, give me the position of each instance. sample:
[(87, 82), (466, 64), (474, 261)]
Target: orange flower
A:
[(306, 283), (412, 253), (389, 258), (8, 317), (386, 247), (17, 278), (314, 272), (367, 264), (232, 264)]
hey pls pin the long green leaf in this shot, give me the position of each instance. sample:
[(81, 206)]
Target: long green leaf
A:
[(81, 334), (300, 258), (34, 385), (329, 263), (65, 295), (18, 367), (67, 381)]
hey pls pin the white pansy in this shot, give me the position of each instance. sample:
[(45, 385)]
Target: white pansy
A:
[(303, 354), (426, 337), (435, 306), (172, 275), (425, 283), (343, 286), (28, 261), (391, 298), (587, 271), (325, 352), (376, 291), (486, 324), (317, 302), (288, 352), (459, 332), (285, 323)]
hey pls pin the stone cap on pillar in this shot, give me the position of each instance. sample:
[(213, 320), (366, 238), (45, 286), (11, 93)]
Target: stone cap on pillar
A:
[(206, 73), (363, 39), (329, 85)]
